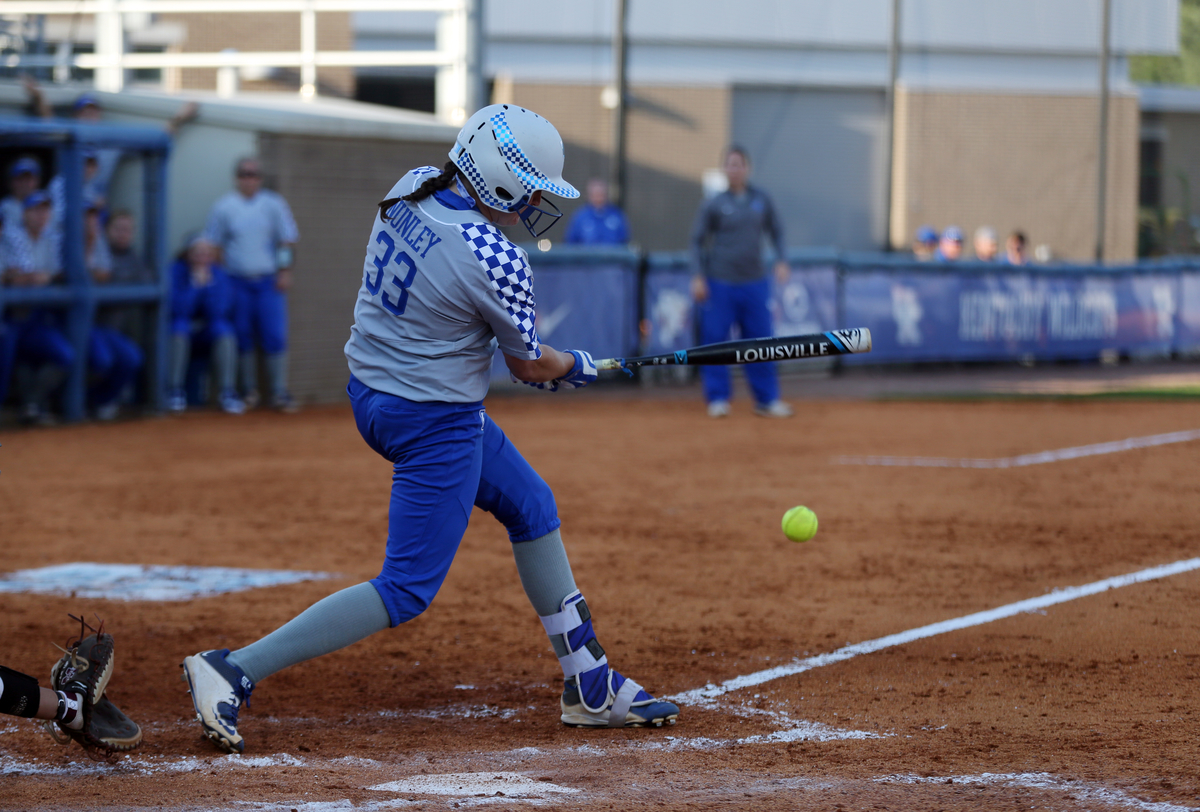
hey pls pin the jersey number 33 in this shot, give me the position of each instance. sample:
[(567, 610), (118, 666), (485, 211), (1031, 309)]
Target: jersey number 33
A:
[(400, 270)]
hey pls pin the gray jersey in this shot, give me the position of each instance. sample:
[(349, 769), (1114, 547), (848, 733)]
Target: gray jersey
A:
[(728, 233), (441, 289), (250, 231)]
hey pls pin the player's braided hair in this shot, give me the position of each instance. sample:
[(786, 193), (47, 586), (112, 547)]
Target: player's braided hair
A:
[(426, 189)]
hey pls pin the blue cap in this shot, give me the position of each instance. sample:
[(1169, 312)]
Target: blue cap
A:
[(37, 198), (926, 234), (91, 200), (90, 153), (953, 233), (86, 100), (23, 166)]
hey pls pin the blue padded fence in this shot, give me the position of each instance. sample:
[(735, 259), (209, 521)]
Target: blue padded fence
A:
[(917, 312)]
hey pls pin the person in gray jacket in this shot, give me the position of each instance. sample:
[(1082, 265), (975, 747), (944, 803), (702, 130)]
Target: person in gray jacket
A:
[(730, 284)]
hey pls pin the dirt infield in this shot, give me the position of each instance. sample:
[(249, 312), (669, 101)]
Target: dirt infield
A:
[(672, 524)]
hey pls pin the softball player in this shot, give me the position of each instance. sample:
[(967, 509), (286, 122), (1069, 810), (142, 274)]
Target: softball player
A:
[(22, 695), (442, 287)]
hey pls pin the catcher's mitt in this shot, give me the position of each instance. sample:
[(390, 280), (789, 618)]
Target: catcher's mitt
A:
[(85, 669)]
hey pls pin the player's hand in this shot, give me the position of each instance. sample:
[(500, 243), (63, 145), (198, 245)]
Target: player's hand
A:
[(783, 272), (582, 372), (699, 288), (283, 280)]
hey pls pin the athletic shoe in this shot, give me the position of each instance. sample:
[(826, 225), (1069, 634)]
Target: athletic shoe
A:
[(776, 408), (285, 404), (718, 408), (218, 689), (647, 712), (250, 400), (34, 415), (176, 401), (108, 412), (231, 403)]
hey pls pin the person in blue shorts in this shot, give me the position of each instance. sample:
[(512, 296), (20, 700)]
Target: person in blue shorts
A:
[(256, 233), (114, 359), (730, 284), (441, 288), (43, 355), (201, 319), (599, 222)]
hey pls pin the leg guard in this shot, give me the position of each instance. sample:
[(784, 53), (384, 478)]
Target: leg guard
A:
[(20, 694), (595, 694)]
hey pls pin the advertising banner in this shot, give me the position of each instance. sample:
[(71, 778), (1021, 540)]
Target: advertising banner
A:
[(1187, 337), (941, 315), (591, 307)]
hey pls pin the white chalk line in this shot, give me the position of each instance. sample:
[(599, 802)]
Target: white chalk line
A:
[(1084, 791), (1040, 458), (705, 696)]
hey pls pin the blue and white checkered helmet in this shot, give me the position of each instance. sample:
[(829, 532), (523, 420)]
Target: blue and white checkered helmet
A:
[(507, 153)]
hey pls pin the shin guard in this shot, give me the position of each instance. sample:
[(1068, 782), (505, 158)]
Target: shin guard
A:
[(605, 698)]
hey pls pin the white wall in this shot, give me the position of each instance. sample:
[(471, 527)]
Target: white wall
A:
[(1033, 45)]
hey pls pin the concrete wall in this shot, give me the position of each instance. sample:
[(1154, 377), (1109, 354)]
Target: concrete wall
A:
[(1015, 161), (333, 186), (674, 134)]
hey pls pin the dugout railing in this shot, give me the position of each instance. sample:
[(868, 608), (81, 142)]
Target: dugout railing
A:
[(76, 297)]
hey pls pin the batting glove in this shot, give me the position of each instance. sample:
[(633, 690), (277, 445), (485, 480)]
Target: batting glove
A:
[(581, 374)]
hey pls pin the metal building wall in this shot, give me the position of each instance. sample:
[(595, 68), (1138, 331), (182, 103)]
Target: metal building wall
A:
[(821, 156)]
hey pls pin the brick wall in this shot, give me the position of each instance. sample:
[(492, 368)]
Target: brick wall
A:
[(1015, 161), (674, 134), (255, 31), (332, 185)]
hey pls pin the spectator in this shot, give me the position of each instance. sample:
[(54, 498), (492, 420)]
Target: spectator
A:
[(599, 222), (127, 266), (925, 243), (93, 190), (87, 109), (986, 244), (951, 245), (24, 178), (127, 269), (1015, 249), (731, 285), (255, 231), (202, 319), (43, 354), (113, 359), (8, 339)]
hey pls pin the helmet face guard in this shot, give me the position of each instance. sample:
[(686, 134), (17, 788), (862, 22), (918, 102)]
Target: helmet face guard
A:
[(508, 154), (532, 217)]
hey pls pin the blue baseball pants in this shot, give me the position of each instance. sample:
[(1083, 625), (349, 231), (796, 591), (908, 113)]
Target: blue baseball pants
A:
[(746, 305), (114, 360), (259, 314), (446, 458)]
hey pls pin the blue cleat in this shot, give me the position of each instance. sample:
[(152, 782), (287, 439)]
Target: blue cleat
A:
[(219, 689), (628, 706)]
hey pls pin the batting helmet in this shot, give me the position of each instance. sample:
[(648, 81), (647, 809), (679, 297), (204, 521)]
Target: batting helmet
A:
[(508, 153)]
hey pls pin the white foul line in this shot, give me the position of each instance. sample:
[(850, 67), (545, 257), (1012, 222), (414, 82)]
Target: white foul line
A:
[(1027, 459), (705, 695)]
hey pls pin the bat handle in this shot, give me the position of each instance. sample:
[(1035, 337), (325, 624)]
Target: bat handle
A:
[(610, 363)]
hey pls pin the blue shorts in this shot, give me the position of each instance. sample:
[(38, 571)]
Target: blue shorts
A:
[(446, 458)]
